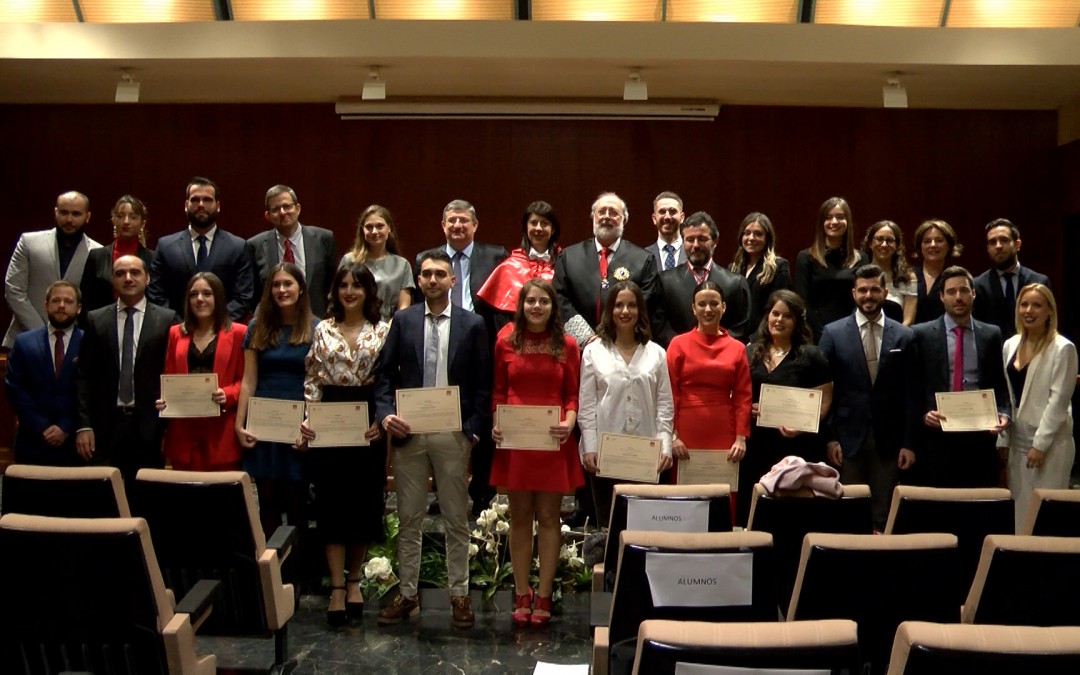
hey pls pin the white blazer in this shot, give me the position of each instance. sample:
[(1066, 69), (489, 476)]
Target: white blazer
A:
[(1044, 419), (34, 265)]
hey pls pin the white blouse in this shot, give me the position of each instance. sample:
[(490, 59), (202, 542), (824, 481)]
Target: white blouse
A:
[(623, 398)]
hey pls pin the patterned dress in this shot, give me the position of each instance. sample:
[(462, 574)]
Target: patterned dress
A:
[(348, 482)]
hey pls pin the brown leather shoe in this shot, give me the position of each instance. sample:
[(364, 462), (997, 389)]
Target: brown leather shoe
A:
[(400, 609), (461, 614)]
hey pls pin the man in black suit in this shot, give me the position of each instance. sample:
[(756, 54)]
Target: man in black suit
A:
[(668, 217), (472, 263), (699, 235), (957, 459), (870, 419), (997, 288), (202, 247), (40, 381), (123, 351), (310, 248), (584, 271), (434, 344)]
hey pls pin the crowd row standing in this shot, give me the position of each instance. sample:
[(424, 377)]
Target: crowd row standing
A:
[(658, 342)]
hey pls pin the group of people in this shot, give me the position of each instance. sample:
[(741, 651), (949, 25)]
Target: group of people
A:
[(658, 342)]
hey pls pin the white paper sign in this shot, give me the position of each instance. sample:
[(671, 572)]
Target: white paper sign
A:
[(700, 579), (543, 668), (668, 515), (702, 669)]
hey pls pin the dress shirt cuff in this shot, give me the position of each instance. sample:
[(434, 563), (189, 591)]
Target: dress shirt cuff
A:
[(84, 429)]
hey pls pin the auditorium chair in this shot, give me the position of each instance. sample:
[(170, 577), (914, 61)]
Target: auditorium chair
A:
[(730, 578), (1053, 513), (85, 595), (877, 581), (206, 525), (64, 492), (924, 648)]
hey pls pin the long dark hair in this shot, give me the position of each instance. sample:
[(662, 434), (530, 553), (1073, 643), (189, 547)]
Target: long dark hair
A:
[(221, 306), (817, 249), (555, 324), (547, 212), (898, 267), (768, 255), (606, 329), (362, 275), (268, 321), (800, 334)]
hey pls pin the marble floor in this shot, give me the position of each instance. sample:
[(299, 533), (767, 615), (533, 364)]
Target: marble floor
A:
[(426, 644)]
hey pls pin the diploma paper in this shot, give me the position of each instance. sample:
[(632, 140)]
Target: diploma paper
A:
[(189, 395), (792, 407), (430, 409), (707, 467), (967, 410), (338, 425), (633, 458), (700, 579), (527, 427), (274, 419), (669, 515), (702, 669)]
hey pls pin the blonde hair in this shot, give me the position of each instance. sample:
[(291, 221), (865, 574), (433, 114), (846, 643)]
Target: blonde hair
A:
[(1051, 321)]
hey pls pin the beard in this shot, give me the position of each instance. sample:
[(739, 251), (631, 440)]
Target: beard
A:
[(206, 224), (606, 229), (61, 324)]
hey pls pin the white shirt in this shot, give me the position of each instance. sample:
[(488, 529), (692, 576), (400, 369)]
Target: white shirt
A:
[(121, 320), (614, 246), (444, 341), (195, 240), (660, 244), (297, 240), (67, 338), (624, 398), (861, 320)]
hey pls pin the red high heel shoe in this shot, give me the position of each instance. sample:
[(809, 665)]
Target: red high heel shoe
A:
[(541, 604), (522, 609)]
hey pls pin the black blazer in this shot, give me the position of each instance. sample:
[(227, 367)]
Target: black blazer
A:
[(484, 259), (858, 405), (677, 290), (174, 264), (577, 279), (98, 373), (96, 286), (320, 262), (759, 293), (990, 303), (468, 366), (40, 399), (927, 300)]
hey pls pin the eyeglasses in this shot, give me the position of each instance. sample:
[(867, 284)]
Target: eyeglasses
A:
[(884, 240), (284, 208)]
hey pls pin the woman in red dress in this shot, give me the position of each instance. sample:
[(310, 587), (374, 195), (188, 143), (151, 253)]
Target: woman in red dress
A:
[(710, 383), (207, 342), (534, 260), (536, 364)]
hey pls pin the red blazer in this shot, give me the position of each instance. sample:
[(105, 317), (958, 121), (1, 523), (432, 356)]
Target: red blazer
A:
[(208, 443)]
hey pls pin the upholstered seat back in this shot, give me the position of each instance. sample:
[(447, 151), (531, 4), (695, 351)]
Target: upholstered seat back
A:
[(64, 492), (1053, 513), (987, 650)]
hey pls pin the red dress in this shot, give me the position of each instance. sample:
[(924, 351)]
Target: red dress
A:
[(710, 383), (534, 377)]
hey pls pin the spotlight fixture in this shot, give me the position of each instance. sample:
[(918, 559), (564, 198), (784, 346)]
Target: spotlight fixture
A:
[(374, 88), (893, 94), (635, 89), (127, 89)]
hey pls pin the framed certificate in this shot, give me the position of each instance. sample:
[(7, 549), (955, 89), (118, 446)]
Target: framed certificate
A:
[(708, 467), (189, 395), (274, 419), (527, 427), (967, 410), (430, 409), (338, 424), (634, 458), (792, 407)]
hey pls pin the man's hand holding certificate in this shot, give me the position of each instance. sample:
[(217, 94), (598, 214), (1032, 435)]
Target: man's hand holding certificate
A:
[(792, 407), (967, 410), (635, 458), (527, 427), (190, 395), (430, 409), (708, 467)]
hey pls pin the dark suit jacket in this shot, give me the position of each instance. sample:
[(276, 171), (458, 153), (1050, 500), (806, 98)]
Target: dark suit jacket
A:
[(320, 262), (174, 264), (98, 377), (955, 459), (468, 365), (484, 259), (658, 257), (990, 299), (677, 290), (759, 294), (40, 399), (577, 279), (96, 285), (857, 405)]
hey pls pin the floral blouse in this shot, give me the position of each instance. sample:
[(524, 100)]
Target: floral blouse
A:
[(332, 360)]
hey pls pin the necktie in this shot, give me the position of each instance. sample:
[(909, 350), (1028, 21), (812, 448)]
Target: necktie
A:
[(669, 257), (958, 359), (459, 283), (431, 352), (58, 352), (127, 359), (288, 256), (869, 345), (1010, 296), (604, 253), (200, 259)]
